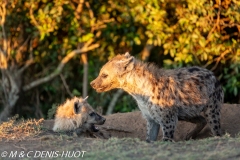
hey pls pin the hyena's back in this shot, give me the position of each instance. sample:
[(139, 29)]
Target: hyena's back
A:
[(201, 81), (189, 86)]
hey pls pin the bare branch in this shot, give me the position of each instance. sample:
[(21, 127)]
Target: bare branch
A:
[(90, 10), (88, 43), (26, 65), (96, 25), (58, 70), (101, 24), (24, 43), (28, 62), (196, 58), (3, 60), (114, 101), (38, 111), (65, 85), (216, 25), (33, 19), (219, 58), (207, 64), (91, 14), (79, 8)]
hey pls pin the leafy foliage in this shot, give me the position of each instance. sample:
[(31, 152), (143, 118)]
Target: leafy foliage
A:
[(181, 33)]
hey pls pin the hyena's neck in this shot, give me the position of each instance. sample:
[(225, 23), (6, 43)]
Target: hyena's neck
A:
[(140, 81)]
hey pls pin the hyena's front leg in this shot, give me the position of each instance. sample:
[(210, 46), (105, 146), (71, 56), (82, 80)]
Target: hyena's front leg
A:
[(152, 130)]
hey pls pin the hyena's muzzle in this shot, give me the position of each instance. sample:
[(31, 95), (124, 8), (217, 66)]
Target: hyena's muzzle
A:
[(96, 119), (96, 84), (101, 85)]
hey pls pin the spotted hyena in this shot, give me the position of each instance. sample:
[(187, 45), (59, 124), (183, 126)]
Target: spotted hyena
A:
[(77, 115), (191, 94)]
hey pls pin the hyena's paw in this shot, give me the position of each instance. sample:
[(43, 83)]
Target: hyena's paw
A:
[(188, 137), (149, 141), (166, 139)]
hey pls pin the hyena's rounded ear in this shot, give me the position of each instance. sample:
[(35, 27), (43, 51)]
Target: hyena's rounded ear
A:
[(125, 61), (77, 107), (130, 64), (127, 64)]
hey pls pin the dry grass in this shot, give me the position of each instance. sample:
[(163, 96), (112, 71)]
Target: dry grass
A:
[(20, 129)]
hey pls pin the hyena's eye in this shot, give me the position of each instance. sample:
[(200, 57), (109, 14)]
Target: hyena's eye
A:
[(104, 75), (91, 114)]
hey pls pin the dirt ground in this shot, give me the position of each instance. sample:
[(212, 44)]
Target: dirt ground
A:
[(120, 125), (133, 125)]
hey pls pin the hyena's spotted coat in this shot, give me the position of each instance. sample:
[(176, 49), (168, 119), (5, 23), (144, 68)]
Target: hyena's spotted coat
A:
[(77, 115), (165, 96)]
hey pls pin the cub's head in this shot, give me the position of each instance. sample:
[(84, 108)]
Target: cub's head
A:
[(110, 75), (88, 116)]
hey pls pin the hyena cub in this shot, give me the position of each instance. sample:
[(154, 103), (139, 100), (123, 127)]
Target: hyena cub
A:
[(165, 96), (77, 115)]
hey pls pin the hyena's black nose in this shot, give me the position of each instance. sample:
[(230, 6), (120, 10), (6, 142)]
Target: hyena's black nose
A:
[(104, 119)]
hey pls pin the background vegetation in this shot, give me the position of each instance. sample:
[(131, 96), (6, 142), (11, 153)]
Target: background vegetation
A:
[(51, 49)]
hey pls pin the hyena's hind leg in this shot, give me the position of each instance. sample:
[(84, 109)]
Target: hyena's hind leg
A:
[(213, 117), (200, 122)]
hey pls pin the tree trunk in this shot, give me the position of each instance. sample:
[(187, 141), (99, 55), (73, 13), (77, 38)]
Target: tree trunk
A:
[(8, 109), (11, 86), (114, 101)]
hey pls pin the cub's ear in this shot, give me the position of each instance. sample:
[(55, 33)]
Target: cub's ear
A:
[(127, 55), (77, 107), (85, 99)]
